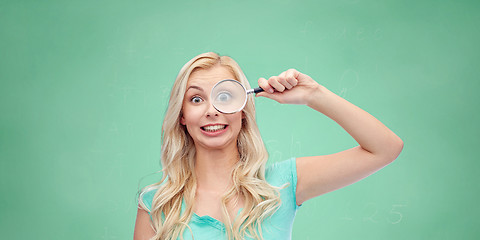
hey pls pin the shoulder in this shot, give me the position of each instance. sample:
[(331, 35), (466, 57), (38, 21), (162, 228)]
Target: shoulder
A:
[(147, 194), (146, 197), (282, 172), (284, 175)]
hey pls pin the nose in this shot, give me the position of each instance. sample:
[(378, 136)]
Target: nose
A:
[(211, 110)]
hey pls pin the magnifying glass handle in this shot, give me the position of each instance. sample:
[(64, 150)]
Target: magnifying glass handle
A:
[(255, 90), (258, 89)]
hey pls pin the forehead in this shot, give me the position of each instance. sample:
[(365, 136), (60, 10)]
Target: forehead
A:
[(210, 76)]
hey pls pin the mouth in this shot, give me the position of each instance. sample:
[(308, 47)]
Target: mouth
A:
[(214, 128)]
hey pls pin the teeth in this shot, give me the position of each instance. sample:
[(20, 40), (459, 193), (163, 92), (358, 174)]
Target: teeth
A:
[(214, 128)]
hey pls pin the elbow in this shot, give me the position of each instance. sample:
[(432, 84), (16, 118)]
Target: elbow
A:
[(396, 148), (399, 145)]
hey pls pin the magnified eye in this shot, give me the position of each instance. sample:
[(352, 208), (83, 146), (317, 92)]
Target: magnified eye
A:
[(224, 97)]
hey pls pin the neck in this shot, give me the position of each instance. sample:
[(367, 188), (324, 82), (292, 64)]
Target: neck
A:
[(213, 168)]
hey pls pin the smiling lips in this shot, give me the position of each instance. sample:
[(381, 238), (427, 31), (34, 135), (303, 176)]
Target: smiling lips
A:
[(213, 128)]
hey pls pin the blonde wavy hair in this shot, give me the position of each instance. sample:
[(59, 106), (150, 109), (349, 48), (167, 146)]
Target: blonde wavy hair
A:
[(177, 159)]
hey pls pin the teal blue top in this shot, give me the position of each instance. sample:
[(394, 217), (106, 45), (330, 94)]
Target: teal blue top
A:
[(278, 226)]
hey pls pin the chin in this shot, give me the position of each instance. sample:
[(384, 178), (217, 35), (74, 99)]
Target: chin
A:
[(216, 145)]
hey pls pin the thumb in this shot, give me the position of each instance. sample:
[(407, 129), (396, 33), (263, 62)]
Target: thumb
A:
[(274, 96)]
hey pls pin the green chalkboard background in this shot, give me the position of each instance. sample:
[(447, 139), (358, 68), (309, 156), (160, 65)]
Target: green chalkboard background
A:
[(84, 86)]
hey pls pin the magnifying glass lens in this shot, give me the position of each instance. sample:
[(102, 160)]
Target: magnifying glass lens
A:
[(229, 96), (224, 97)]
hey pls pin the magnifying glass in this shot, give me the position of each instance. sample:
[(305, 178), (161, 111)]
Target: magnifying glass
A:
[(230, 96)]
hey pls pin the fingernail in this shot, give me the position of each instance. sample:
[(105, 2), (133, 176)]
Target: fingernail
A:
[(270, 90)]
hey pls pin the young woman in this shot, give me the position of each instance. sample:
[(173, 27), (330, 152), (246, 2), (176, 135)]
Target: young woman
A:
[(215, 183)]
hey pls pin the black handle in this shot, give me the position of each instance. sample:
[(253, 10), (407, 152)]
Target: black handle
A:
[(258, 89)]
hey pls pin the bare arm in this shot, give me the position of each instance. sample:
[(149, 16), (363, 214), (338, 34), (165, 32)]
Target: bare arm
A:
[(378, 145), (143, 227)]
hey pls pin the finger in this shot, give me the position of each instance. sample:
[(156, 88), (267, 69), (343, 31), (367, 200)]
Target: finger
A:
[(263, 83), (290, 77), (274, 96), (283, 80), (273, 81)]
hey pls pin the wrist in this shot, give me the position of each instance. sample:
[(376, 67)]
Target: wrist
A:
[(317, 96)]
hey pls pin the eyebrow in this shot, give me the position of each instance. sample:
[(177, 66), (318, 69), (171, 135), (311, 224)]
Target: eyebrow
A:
[(195, 87)]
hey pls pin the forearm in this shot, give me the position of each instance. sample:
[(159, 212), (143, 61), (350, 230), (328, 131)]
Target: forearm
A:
[(370, 133)]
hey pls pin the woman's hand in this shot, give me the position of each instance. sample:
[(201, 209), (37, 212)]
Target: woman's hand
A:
[(317, 175), (290, 87)]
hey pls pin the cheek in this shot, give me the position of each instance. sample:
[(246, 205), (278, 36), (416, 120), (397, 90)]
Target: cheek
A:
[(237, 120), (190, 115)]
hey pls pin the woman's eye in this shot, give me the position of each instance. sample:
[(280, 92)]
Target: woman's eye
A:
[(196, 99), (223, 97)]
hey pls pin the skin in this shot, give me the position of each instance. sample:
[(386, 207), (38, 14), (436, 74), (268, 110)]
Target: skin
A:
[(317, 175)]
